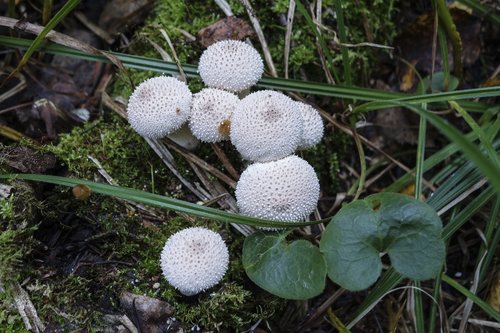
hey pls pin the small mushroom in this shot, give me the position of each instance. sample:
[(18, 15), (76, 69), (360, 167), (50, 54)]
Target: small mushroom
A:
[(266, 126), (230, 65), (211, 111), (194, 259), (283, 190), (312, 130), (159, 106)]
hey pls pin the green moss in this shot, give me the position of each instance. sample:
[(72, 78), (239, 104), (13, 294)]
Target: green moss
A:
[(123, 153), (325, 158), (10, 321)]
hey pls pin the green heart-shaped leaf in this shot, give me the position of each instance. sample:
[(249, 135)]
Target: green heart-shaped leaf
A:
[(292, 271), (350, 252), (407, 229)]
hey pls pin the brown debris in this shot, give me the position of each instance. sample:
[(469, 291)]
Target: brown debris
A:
[(149, 314), (414, 45), (228, 28), (119, 15), (25, 159)]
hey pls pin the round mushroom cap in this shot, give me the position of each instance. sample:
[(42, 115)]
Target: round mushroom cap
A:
[(159, 106), (211, 111), (283, 190), (230, 65), (194, 259), (312, 130), (266, 126)]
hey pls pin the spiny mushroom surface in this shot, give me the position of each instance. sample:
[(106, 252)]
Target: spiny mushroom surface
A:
[(312, 130), (266, 126), (211, 111), (230, 65), (194, 259), (283, 190), (159, 106)]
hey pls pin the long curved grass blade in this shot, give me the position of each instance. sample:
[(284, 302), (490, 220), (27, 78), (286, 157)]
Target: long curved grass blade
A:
[(61, 14), (479, 302), (466, 214), (159, 201), (479, 132), (343, 40), (307, 87)]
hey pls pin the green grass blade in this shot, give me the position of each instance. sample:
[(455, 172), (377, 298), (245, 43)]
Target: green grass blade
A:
[(494, 243), (419, 172), (387, 282), (492, 238), (307, 87), (486, 166), (466, 214), (479, 302), (429, 163), (61, 14), (451, 30), (343, 41), (321, 40), (158, 201), (479, 132)]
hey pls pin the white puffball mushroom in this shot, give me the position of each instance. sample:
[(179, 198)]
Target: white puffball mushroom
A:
[(283, 190), (159, 106), (312, 130), (211, 110), (230, 65), (266, 126), (194, 259)]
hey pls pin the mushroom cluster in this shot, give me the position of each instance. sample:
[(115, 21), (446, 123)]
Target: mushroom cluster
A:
[(266, 127)]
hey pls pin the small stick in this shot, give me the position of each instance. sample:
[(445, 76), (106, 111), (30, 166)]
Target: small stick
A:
[(201, 163), (260, 35), (288, 34), (225, 161)]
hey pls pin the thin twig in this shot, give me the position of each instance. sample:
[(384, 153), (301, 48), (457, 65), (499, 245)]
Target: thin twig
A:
[(288, 34), (462, 196), (16, 89), (103, 34), (58, 38), (317, 20), (260, 35), (201, 163), (183, 76), (225, 161), (162, 151), (225, 7)]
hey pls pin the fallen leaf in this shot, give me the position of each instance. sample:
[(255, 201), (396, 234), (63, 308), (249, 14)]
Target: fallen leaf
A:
[(228, 28)]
